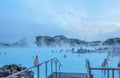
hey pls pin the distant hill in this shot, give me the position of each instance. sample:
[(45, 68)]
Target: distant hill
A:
[(21, 43), (58, 40), (4, 45), (112, 41), (61, 40)]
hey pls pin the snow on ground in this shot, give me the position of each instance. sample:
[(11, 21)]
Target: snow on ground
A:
[(72, 62)]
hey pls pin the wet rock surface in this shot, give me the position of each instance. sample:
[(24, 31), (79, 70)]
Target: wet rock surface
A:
[(7, 70)]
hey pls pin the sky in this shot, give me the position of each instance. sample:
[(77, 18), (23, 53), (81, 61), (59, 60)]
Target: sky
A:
[(82, 19)]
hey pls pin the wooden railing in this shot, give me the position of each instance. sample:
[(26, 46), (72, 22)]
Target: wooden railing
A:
[(107, 69), (53, 60)]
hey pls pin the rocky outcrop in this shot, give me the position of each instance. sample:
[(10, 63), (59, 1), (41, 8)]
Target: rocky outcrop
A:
[(112, 41), (58, 40), (7, 70), (61, 40)]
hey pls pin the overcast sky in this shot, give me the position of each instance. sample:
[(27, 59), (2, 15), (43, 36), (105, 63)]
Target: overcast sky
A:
[(82, 19)]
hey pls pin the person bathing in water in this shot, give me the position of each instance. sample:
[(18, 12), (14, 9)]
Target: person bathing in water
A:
[(104, 64), (36, 61)]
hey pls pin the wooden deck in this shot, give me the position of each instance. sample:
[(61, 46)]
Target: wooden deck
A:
[(67, 75)]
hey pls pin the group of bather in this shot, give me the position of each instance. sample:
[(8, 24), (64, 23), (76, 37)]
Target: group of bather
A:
[(62, 50)]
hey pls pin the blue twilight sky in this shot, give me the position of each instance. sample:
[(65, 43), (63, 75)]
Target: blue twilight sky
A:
[(82, 19)]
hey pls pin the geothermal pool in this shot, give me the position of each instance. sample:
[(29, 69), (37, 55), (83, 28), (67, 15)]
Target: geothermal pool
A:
[(72, 63)]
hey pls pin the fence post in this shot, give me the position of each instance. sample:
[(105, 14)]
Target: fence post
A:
[(59, 68), (46, 69), (59, 71), (119, 73), (88, 68), (51, 67), (112, 73), (107, 73), (56, 67), (38, 71)]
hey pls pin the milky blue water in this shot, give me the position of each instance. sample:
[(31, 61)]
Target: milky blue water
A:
[(72, 63)]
